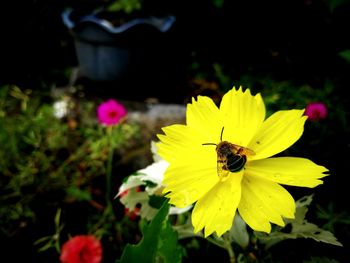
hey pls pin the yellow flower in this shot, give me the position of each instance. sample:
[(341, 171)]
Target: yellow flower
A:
[(243, 178)]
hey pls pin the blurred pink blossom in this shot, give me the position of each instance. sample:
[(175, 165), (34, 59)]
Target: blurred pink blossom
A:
[(110, 112), (316, 111)]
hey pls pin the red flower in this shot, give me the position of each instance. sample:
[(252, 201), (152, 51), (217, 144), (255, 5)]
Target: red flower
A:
[(110, 112), (82, 249), (316, 111)]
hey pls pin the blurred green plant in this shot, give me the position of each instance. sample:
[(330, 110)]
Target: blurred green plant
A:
[(46, 161), (126, 6), (332, 217), (52, 241), (345, 54), (278, 94), (334, 4)]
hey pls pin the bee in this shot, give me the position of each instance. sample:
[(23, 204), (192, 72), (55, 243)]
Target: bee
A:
[(230, 157)]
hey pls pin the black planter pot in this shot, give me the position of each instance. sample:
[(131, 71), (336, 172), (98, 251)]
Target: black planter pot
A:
[(135, 53)]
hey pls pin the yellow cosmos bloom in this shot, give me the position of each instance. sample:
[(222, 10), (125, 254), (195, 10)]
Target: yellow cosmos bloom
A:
[(241, 176)]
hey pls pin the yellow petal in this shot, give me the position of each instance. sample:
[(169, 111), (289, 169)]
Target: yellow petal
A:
[(180, 142), (277, 133), (243, 115), (193, 166), (186, 183), (262, 202), (216, 209), (204, 117), (287, 170)]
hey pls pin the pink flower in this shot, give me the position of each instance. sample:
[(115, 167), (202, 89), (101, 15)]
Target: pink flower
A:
[(316, 111), (110, 112), (82, 249)]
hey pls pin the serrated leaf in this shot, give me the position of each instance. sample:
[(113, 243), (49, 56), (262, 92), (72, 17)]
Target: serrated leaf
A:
[(168, 247), (300, 228), (304, 201), (158, 244), (301, 209), (309, 230)]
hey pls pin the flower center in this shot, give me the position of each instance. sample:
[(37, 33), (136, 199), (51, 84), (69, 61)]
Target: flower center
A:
[(112, 114)]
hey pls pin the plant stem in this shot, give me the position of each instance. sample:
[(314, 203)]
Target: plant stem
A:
[(109, 165), (229, 248)]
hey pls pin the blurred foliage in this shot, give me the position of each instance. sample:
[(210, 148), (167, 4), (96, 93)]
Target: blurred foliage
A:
[(47, 162), (126, 6), (333, 4), (345, 55), (48, 242), (277, 94), (332, 217)]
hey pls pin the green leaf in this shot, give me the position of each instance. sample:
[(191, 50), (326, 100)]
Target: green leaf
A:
[(309, 230), (301, 208), (156, 201), (78, 194), (158, 244), (300, 228), (168, 247), (239, 232), (57, 217), (345, 55)]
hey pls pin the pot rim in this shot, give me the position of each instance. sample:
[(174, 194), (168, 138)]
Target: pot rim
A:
[(162, 24)]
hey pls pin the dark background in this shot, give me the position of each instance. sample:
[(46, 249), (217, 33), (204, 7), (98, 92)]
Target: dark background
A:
[(297, 40)]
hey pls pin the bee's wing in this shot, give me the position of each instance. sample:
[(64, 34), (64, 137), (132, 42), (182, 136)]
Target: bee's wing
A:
[(222, 170), (242, 150), (248, 151)]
